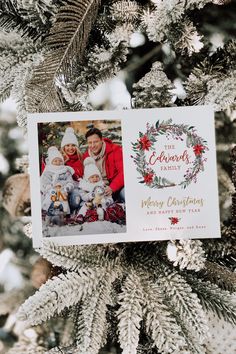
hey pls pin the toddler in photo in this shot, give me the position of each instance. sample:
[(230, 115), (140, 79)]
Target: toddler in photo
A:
[(92, 190), (56, 179)]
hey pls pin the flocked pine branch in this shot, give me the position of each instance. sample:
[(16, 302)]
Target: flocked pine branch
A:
[(17, 60), (130, 313), (213, 298), (185, 304), (212, 80), (100, 64), (184, 38), (160, 323), (217, 90), (126, 15), (60, 292), (158, 21), (27, 347), (125, 11), (10, 20), (75, 257), (226, 246), (33, 18), (39, 13), (92, 326), (16, 55)]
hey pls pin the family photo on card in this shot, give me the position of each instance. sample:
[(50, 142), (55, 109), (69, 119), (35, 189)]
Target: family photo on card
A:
[(135, 175), (81, 184)]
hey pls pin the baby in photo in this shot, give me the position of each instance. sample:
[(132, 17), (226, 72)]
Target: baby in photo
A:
[(56, 180), (92, 189)]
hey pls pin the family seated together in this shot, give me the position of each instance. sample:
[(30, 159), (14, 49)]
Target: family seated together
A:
[(78, 187)]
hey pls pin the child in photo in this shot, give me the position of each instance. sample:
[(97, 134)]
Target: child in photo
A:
[(92, 189), (56, 178), (73, 158), (55, 213)]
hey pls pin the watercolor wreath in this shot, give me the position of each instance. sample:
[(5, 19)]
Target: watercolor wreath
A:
[(147, 142)]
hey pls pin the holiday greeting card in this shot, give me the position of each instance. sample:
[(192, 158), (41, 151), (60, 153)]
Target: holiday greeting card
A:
[(134, 175)]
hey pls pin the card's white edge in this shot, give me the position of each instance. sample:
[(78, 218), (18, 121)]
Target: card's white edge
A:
[(33, 120), (34, 182)]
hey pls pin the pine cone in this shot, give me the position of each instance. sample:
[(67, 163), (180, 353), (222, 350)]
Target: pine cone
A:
[(16, 195)]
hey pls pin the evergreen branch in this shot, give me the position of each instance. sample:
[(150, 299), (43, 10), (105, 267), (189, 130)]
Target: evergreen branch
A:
[(160, 323), (75, 257), (186, 304), (130, 313), (37, 12), (158, 21), (66, 43), (24, 345), (219, 275), (14, 22), (10, 19), (92, 320), (18, 58), (214, 298), (60, 292), (5, 90), (217, 249), (101, 65), (216, 89)]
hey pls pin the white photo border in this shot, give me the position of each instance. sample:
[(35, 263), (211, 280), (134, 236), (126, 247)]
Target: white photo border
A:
[(37, 227)]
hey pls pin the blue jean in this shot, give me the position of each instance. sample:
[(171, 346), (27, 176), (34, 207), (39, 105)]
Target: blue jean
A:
[(119, 195), (74, 200)]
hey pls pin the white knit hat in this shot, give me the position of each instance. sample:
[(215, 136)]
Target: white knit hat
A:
[(69, 137), (53, 153), (90, 168)]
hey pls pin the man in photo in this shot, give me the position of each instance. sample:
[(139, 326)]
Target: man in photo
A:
[(109, 160)]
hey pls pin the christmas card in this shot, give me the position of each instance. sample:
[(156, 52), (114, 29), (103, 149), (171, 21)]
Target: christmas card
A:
[(117, 176)]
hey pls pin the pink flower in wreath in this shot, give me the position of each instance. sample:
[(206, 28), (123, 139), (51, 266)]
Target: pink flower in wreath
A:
[(198, 149), (145, 143), (174, 220), (148, 178)]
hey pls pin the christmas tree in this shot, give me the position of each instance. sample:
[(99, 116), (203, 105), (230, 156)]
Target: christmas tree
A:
[(146, 297)]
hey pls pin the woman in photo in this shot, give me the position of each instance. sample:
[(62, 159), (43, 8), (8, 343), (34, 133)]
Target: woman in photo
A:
[(73, 158)]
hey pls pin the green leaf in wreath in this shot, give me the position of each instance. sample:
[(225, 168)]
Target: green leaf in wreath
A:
[(157, 124), (189, 141)]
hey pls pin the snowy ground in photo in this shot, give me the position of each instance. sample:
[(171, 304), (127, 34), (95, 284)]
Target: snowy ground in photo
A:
[(88, 228)]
